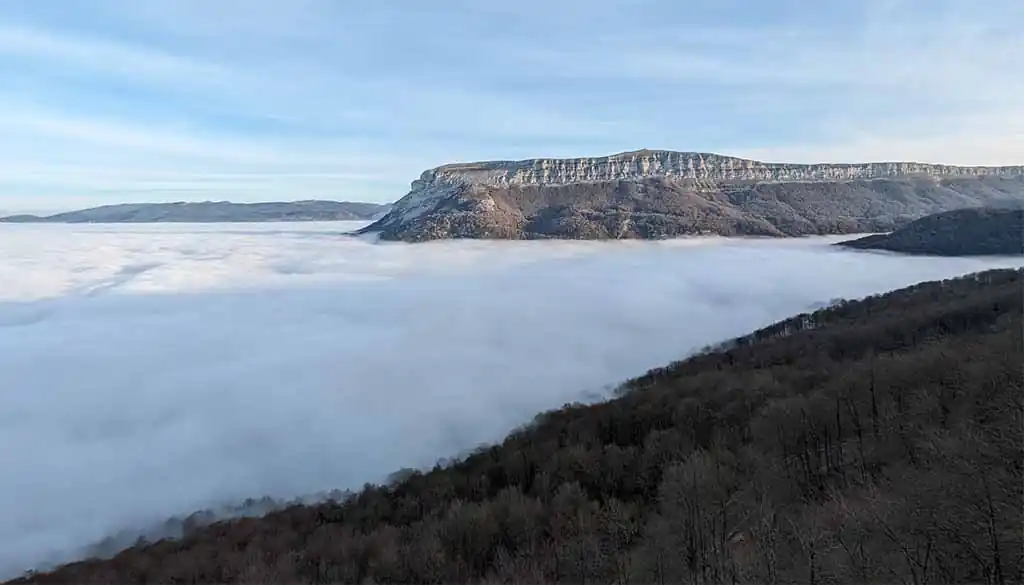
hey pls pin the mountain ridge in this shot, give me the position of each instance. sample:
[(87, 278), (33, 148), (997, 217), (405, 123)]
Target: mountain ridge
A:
[(213, 211), (661, 193), (691, 165)]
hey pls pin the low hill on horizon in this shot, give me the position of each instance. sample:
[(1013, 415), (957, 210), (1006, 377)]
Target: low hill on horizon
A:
[(872, 441), (213, 211)]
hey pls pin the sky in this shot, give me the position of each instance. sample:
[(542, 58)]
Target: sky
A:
[(106, 101), (149, 371)]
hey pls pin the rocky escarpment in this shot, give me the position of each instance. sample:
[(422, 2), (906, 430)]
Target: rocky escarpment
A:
[(961, 232), (651, 194)]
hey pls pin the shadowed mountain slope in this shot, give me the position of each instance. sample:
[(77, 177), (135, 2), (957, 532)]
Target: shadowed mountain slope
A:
[(962, 232)]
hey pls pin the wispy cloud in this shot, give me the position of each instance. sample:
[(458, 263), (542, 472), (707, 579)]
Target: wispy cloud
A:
[(370, 95), (69, 53)]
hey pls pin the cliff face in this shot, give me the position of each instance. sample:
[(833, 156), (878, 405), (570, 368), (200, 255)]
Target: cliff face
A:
[(646, 194), (683, 165)]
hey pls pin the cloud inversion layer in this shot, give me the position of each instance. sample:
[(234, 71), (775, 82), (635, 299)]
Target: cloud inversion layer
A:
[(149, 371)]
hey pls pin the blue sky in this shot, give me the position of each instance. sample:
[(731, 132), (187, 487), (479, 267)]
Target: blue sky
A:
[(105, 101)]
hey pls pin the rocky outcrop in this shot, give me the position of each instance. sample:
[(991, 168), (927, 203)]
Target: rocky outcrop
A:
[(651, 194), (684, 165), (962, 232)]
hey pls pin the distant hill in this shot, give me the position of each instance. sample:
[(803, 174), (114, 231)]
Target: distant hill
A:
[(659, 193), (873, 441), (213, 211), (962, 232)]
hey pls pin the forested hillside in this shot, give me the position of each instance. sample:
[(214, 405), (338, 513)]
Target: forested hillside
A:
[(877, 441), (973, 231)]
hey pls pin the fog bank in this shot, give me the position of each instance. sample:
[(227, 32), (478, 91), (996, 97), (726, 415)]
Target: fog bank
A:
[(150, 371)]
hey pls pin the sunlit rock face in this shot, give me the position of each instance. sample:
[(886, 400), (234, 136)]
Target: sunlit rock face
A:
[(684, 165)]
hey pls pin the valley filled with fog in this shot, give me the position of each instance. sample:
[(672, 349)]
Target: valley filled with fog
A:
[(148, 371)]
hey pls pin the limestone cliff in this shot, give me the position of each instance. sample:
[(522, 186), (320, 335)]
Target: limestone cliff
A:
[(648, 194)]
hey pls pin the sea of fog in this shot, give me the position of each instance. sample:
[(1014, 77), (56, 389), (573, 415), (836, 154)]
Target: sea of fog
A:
[(151, 370)]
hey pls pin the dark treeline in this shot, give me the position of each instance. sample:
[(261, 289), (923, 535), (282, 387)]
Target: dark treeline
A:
[(876, 441), (972, 231)]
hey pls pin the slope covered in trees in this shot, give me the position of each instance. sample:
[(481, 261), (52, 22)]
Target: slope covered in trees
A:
[(876, 441), (974, 231)]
